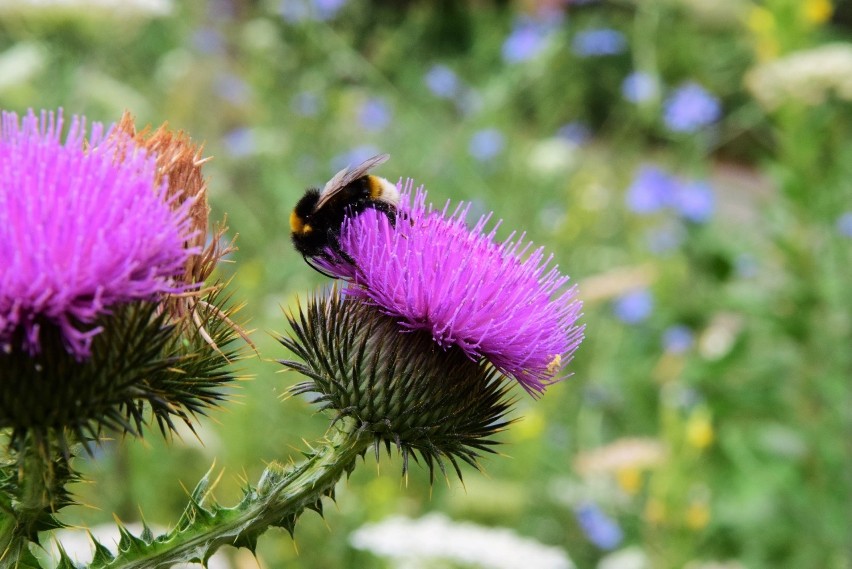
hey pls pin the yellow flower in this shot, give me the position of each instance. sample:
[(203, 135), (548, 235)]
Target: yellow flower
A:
[(763, 26), (699, 429), (655, 512), (817, 11), (761, 21), (697, 515), (629, 479)]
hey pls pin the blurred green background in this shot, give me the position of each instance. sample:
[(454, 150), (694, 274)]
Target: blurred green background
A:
[(688, 163)]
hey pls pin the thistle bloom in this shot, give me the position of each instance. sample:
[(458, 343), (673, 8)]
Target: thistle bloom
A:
[(498, 301), (84, 226)]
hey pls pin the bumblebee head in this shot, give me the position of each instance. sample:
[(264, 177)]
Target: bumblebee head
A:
[(301, 216)]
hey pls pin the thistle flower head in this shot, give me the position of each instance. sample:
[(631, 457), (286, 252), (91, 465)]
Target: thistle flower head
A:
[(83, 228), (101, 244), (500, 301)]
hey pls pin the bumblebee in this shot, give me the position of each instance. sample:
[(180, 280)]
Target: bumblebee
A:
[(316, 220)]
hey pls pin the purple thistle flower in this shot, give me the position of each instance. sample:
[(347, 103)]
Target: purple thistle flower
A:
[(690, 108), (599, 42), (80, 230), (499, 301)]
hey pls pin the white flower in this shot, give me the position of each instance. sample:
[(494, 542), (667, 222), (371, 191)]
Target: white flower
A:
[(435, 537), (150, 8), (807, 76)]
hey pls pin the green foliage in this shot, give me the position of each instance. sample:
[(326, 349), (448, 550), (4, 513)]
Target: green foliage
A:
[(752, 411)]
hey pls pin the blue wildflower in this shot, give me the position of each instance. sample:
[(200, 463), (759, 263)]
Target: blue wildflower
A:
[(746, 265), (577, 132), (374, 115), (844, 224), (232, 88), (690, 108), (327, 9), (601, 530), (208, 40), (486, 144), (527, 39), (306, 103), (665, 238), (296, 11), (354, 156), (599, 42), (442, 81), (651, 190), (240, 142), (695, 201), (634, 307), (639, 87), (677, 339)]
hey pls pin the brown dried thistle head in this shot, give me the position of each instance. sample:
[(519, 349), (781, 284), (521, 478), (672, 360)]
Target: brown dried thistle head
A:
[(179, 160)]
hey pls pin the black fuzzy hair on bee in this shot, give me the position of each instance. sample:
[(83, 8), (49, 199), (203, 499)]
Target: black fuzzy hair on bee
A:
[(316, 220)]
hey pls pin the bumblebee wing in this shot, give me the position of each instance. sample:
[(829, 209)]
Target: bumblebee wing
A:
[(347, 176)]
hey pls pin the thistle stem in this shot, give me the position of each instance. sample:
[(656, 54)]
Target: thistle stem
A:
[(30, 508), (280, 497)]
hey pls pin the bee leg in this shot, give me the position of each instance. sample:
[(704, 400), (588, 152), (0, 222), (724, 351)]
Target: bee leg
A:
[(316, 268), (387, 209)]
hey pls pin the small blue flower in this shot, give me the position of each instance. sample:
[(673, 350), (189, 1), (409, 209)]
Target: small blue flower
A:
[(677, 339), (294, 11), (297, 11), (327, 9), (634, 307), (599, 42), (652, 190), (844, 224), (306, 103), (374, 115), (208, 40), (232, 88), (690, 108), (665, 238), (486, 144), (639, 87), (746, 266), (442, 81), (601, 530), (577, 132), (695, 201), (354, 156), (527, 39), (240, 142)]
